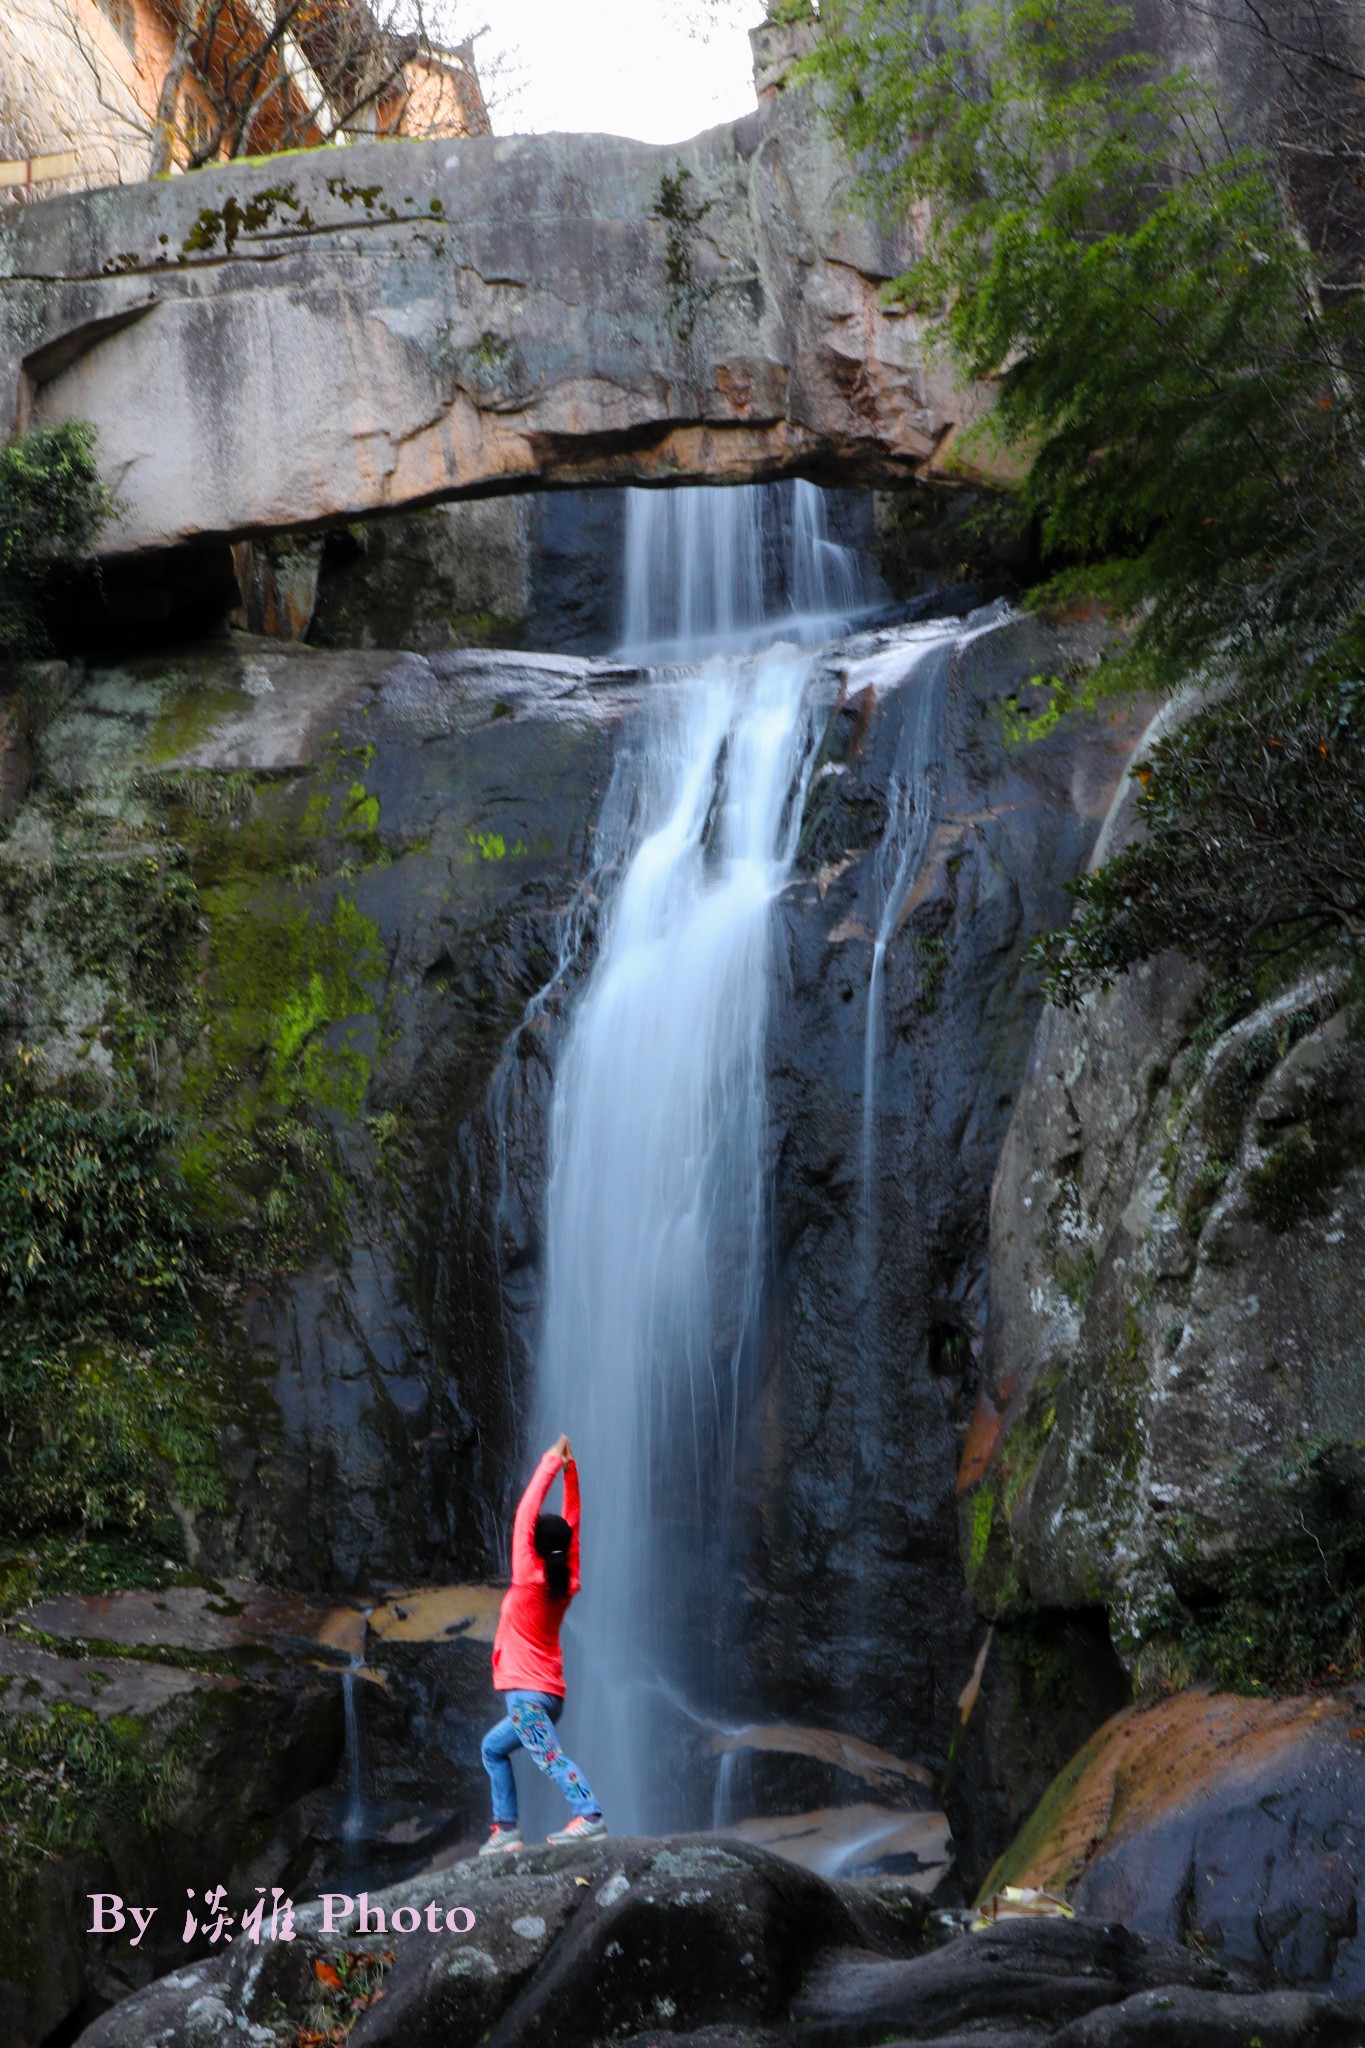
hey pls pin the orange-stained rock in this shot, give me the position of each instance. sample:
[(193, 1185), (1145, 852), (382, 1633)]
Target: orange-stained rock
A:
[(1236, 1823), (982, 1437)]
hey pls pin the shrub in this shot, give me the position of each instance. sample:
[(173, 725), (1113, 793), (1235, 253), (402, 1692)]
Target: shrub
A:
[(1289, 1609), (52, 510), (1254, 842), (103, 1406)]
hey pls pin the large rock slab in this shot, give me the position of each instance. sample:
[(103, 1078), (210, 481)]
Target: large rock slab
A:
[(1235, 1824), (697, 1941), (272, 346)]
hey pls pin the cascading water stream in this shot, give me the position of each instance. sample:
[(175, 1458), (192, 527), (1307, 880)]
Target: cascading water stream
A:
[(655, 1225)]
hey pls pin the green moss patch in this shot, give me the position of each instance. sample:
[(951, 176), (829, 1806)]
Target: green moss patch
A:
[(191, 715), (1029, 1848)]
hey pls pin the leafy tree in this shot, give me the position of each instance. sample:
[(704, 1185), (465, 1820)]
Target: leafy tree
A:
[(1179, 379), (53, 507)]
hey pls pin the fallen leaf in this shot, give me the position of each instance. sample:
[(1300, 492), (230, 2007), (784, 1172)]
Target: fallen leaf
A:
[(325, 1974), (967, 1698)]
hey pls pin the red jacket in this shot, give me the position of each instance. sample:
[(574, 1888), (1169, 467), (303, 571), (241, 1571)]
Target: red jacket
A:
[(526, 1656)]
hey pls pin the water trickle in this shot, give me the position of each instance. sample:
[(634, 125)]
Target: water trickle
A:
[(353, 1819), (923, 670), (656, 1217)]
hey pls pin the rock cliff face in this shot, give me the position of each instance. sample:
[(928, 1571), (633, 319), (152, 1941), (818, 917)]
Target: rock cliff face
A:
[(1166, 1452), (268, 347), (380, 855), (882, 1284), (1175, 1342)]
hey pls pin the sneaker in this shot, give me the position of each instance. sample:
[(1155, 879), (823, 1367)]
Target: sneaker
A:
[(580, 1830), (502, 1840)]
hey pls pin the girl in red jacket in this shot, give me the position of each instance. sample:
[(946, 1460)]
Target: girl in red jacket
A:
[(527, 1666)]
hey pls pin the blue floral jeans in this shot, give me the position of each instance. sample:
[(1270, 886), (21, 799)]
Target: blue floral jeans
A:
[(530, 1725)]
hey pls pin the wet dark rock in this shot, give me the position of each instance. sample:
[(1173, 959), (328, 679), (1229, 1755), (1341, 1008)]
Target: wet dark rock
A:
[(702, 1944), (1236, 1825), (856, 1614), (577, 549), (453, 576), (1048, 1682), (1262, 1863), (567, 1946), (1180, 2017), (785, 1769), (236, 1752), (385, 1374), (1041, 1972)]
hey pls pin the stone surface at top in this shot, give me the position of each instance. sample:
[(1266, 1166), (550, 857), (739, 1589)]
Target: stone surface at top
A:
[(272, 345)]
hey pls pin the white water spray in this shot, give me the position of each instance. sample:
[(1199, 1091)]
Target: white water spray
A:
[(656, 1217)]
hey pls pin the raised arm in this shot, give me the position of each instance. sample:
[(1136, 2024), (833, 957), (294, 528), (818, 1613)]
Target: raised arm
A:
[(526, 1566), (571, 1515)]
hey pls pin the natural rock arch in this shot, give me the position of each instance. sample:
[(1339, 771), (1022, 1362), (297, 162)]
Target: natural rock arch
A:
[(320, 336)]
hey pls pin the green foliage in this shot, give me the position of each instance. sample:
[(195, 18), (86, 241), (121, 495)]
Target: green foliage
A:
[(79, 1561), (1174, 376), (63, 1773), (90, 1220), (1254, 812), (103, 1412), (52, 509), (1289, 1608)]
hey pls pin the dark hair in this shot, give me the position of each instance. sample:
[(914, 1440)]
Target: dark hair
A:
[(552, 1539)]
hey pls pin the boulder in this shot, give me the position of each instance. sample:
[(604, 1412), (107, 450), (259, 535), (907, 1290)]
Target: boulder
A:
[(566, 1945), (700, 1943), (1237, 1825), (1027, 1977)]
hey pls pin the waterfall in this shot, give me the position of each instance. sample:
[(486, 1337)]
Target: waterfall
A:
[(655, 1207)]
